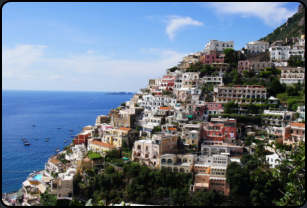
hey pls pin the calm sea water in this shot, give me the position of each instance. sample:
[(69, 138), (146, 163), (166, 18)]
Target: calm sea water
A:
[(47, 110)]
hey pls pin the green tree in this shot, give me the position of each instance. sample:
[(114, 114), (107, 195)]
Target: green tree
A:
[(110, 169), (123, 104), (229, 55), (275, 87), (230, 107), (292, 91)]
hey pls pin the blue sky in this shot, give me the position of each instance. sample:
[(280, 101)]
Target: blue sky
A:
[(119, 46)]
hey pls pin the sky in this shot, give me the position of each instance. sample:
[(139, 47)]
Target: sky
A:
[(107, 46)]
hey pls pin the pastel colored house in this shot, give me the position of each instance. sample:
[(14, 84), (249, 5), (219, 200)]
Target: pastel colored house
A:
[(244, 66), (220, 129), (177, 162), (100, 147)]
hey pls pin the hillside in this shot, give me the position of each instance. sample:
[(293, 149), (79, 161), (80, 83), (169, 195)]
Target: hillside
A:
[(294, 27)]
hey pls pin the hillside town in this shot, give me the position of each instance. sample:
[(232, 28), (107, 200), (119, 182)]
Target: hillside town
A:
[(217, 111)]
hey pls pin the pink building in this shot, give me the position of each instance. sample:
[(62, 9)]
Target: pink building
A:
[(244, 66), (168, 81), (212, 57), (103, 127), (220, 129), (208, 108)]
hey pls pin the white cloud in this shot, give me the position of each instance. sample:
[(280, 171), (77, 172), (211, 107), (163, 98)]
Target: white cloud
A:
[(94, 72), (272, 13), (56, 77), (15, 61), (149, 50), (92, 51), (177, 23)]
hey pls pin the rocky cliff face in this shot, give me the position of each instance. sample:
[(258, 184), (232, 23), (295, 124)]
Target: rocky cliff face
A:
[(301, 22)]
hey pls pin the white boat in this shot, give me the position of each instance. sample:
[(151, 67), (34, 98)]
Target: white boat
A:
[(27, 144)]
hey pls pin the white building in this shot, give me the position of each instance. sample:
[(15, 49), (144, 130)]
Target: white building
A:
[(153, 103), (257, 46), (273, 160), (301, 111), (65, 184), (219, 46), (216, 80), (292, 75), (279, 53)]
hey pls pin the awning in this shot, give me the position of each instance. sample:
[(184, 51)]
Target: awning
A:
[(189, 116), (41, 188)]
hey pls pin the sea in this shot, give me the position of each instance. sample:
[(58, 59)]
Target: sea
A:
[(47, 110)]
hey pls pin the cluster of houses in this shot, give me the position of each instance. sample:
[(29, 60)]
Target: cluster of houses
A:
[(167, 124)]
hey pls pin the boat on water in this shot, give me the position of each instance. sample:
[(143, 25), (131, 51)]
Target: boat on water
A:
[(70, 130), (47, 140), (25, 141), (23, 138), (26, 144), (72, 135), (57, 149), (65, 141), (36, 138), (33, 125), (47, 137), (59, 128)]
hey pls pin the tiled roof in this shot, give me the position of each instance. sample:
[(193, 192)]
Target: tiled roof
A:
[(297, 124), (55, 161), (103, 144), (124, 129), (164, 108)]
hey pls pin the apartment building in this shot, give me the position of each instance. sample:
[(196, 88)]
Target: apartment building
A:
[(244, 66), (280, 53), (210, 148), (205, 109), (65, 183), (220, 129), (218, 46), (53, 166), (177, 162), (151, 102), (257, 46), (215, 80), (258, 66), (191, 134), (301, 111), (212, 57), (277, 118), (220, 68), (210, 173), (125, 118), (292, 75), (297, 134), (82, 137), (117, 137), (241, 94), (148, 151), (101, 119), (273, 160), (100, 147)]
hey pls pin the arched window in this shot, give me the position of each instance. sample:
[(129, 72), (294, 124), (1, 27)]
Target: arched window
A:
[(185, 160), (163, 161), (169, 161)]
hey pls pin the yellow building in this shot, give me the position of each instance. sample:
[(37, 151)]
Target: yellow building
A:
[(100, 147)]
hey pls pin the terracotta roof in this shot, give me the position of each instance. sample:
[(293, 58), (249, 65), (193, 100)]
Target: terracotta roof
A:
[(164, 108), (55, 161), (124, 129), (102, 144), (297, 124)]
